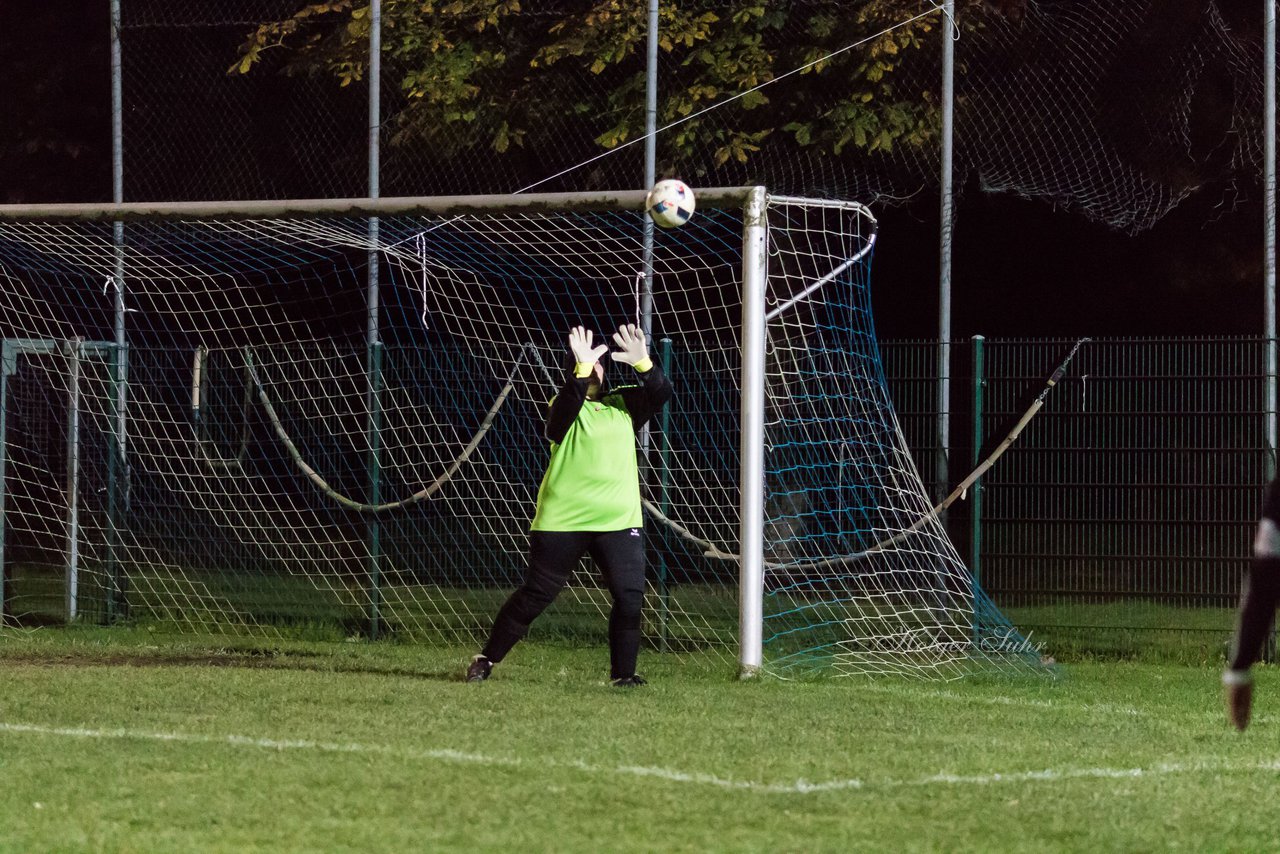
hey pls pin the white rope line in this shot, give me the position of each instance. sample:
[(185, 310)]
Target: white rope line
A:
[(420, 247), (208, 451), (670, 775), (638, 288)]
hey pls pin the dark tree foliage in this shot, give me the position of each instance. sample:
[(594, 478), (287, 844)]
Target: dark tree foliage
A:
[(55, 92), (494, 78)]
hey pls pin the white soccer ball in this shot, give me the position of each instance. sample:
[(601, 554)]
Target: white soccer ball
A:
[(670, 203)]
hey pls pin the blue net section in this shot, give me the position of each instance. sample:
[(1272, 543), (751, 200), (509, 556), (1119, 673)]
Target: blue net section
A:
[(861, 576)]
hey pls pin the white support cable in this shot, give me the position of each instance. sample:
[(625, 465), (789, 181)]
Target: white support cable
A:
[(935, 7), (208, 457)]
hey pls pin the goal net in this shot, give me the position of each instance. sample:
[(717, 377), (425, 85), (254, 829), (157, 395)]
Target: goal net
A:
[(222, 418)]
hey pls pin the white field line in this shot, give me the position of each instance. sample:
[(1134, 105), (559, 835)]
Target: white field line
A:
[(665, 774), (1111, 710), (1001, 700)]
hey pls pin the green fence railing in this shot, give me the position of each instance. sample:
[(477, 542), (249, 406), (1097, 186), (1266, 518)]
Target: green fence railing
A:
[(1121, 520)]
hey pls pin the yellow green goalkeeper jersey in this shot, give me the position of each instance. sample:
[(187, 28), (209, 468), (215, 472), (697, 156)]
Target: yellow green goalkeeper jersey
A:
[(592, 481)]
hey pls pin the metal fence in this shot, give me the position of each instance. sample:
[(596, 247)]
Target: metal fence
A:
[(1121, 520)]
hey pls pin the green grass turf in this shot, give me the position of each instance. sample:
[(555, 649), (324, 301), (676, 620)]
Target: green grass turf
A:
[(691, 616), (118, 740), (1129, 629)]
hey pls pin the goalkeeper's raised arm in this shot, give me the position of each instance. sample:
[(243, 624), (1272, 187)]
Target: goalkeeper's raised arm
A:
[(589, 500), (586, 379), (642, 401)]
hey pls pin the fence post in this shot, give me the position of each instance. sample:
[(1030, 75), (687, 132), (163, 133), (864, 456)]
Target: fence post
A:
[(5, 356), (375, 488), (664, 501), (74, 349), (975, 501)]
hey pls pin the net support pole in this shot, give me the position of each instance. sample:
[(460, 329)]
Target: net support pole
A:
[(975, 498), (944, 249), (1269, 228), (374, 349), (751, 475)]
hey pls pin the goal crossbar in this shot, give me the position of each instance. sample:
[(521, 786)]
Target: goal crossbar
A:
[(731, 197)]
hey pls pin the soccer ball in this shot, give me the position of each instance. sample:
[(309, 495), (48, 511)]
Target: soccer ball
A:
[(670, 203)]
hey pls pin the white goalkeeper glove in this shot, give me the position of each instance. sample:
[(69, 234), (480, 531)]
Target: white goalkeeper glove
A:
[(631, 348), (584, 354)]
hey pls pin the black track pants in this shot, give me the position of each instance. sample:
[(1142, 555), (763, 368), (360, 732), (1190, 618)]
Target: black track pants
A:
[(552, 558)]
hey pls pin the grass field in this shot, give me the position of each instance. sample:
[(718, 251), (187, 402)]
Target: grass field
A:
[(117, 740)]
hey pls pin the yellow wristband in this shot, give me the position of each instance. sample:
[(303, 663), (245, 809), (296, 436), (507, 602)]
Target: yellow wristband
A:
[(582, 370), (643, 365)]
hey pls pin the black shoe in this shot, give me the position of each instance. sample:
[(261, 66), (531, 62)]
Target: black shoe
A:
[(479, 669), (632, 681), (1238, 685)]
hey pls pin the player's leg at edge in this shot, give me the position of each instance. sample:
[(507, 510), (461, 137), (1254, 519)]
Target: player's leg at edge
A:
[(1238, 689), (1257, 610)]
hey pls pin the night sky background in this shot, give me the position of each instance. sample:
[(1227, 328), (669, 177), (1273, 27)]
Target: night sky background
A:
[(1021, 268)]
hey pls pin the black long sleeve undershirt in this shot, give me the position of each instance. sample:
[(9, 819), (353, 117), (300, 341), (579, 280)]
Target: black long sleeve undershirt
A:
[(642, 401), (565, 405)]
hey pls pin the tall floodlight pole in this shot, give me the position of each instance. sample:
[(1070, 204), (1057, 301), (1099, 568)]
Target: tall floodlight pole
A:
[(1269, 223), (650, 162), (117, 193), (944, 255), (117, 463), (374, 341), (650, 175), (375, 123)]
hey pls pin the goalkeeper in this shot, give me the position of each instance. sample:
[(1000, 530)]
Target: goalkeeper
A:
[(589, 501), (1257, 610)]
